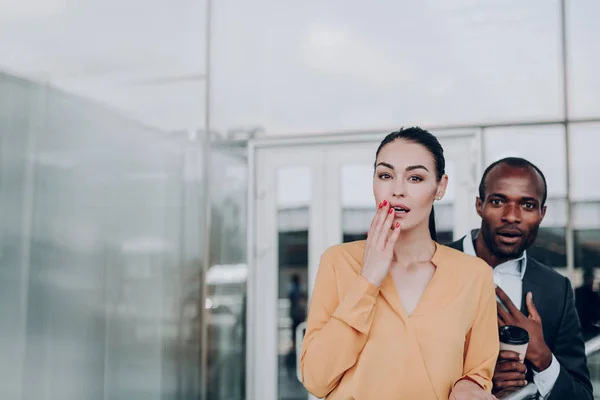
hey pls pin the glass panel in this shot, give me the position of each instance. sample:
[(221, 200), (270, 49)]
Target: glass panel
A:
[(347, 74), (526, 142), (583, 36), (587, 248), (550, 247), (227, 276), (103, 251), (102, 199), (444, 221), (594, 367), (586, 215), (293, 201), (18, 100), (358, 204), (444, 209), (584, 141), (586, 218)]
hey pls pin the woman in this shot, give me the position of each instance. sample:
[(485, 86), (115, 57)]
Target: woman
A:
[(399, 316)]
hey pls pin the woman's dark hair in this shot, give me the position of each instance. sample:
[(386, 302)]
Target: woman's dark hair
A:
[(420, 136)]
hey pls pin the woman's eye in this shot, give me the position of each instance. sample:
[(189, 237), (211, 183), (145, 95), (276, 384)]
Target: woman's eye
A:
[(415, 178), (384, 176)]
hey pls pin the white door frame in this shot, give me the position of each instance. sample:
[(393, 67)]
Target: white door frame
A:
[(262, 313), (314, 151)]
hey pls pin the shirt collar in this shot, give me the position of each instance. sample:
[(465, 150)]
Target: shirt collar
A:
[(509, 266)]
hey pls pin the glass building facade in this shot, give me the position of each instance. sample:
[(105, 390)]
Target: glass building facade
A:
[(124, 167)]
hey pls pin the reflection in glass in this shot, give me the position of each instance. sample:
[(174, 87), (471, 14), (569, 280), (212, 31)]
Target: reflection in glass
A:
[(444, 218), (587, 248), (584, 142), (101, 221), (586, 220), (358, 204), (550, 247), (594, 367), (227, 277), (293, 196), (444, 208)]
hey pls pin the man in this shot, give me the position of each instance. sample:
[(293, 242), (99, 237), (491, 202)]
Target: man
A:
[(297, 299), (587, 301), (511, 204)]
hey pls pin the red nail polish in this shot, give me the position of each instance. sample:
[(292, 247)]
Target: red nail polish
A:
[(397, 224), (385, 202), (380, 205), (391, 210)]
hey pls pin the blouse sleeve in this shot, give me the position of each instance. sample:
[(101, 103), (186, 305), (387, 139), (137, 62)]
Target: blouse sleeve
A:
[(482, 344), (337, 330)]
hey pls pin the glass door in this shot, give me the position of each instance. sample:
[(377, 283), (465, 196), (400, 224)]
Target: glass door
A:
[(288, 183)]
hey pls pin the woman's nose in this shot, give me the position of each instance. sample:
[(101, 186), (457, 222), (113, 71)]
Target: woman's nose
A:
[(399, 189)]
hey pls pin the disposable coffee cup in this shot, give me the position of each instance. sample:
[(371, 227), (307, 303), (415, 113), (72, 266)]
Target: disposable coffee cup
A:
[(514, 338)]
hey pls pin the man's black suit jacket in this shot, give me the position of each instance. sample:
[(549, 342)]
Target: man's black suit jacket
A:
[(553, 298)]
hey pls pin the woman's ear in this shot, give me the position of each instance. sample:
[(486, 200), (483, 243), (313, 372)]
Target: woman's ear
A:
[(441, 187)]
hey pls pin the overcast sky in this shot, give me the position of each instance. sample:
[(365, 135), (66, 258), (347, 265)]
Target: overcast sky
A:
[(314, 66), (309, 66)]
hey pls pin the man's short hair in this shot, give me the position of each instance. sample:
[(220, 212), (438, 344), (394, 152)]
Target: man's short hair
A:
[(516, 162)]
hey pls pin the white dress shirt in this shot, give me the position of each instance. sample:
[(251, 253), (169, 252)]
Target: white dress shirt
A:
[(509, 277)]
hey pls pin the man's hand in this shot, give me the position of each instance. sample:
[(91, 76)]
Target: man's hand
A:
[(510, 372), (538, 353)]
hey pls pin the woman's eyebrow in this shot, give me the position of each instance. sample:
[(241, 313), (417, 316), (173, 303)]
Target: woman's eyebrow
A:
[(409, 168)]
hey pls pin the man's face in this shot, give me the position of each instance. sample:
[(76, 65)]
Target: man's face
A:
[(511, 212)]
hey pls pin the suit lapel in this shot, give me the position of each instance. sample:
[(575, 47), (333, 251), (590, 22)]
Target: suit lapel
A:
[(458, 245), (531, 284)]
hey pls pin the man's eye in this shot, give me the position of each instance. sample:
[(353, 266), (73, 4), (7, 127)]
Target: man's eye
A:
[(529, 206), (496, 202)]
